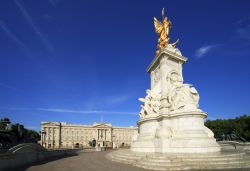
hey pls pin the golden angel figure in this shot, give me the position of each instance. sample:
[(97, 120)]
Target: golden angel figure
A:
[(162, 29)]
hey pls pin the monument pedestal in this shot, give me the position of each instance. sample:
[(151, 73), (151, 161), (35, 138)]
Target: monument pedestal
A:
[(170, 119), (181, 133)]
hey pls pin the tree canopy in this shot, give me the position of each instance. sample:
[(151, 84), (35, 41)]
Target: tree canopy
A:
[(239, 126), (11, 134)]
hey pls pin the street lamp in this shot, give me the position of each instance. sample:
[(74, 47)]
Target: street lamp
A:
[(113, 143), (43, 133)]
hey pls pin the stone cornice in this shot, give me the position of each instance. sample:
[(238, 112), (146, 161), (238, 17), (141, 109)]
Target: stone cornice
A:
[(169, 54), (95, 126), (173, 115)]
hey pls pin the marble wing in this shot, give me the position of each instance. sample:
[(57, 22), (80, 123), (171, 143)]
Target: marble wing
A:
[(193, 90), (142, 100), (158, 26)]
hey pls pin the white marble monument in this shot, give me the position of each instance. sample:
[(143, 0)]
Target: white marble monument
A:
[(170, 118), (172, 134)]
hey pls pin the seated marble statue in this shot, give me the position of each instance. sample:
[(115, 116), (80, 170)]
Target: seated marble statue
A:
[(151, 104), (183, 97)]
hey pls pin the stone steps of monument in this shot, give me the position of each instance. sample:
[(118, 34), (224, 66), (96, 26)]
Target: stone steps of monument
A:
[(197, 157), (162, 167), (125, 157), (247, 161), (221, 166), (193, 160), (161, 163), (216, 163), (162, 159), (212, 159), (182, 166), (202, 163), (121, 160), (165, 164), (124, 152), (247, 165), (158, 161), (165, 168), (247, 156), (212, 156), (126, 161)]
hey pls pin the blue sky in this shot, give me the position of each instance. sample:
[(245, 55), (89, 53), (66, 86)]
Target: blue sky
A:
[(85, 61)]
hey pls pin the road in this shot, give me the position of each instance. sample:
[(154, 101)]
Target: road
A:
[(86, 161)]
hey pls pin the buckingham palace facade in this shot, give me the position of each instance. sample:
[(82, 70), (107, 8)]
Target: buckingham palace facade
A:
[(63, 135)]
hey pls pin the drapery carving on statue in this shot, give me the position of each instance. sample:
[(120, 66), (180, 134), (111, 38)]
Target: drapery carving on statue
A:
[(182, 97), (151, 104)]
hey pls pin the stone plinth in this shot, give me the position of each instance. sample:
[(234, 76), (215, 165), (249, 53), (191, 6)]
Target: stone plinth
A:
[(170, 118), (228, 159)]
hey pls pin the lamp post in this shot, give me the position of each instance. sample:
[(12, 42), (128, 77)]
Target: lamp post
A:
[(60, 134), (43, 133), (113, 143)]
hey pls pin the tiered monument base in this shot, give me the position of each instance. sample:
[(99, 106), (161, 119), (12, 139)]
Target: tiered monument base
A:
[(228, 159), (180, 133)]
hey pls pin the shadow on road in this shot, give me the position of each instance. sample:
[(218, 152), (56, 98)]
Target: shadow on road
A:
[(24, 168)]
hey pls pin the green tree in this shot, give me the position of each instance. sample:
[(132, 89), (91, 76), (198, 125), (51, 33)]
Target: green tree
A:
[(239, 125), (16, 133), (3, 123), (32, 134)]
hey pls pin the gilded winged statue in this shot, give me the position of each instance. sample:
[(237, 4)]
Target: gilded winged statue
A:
[(162, 29)]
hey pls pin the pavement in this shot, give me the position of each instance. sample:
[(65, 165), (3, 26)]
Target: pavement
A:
[(86, 161)]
